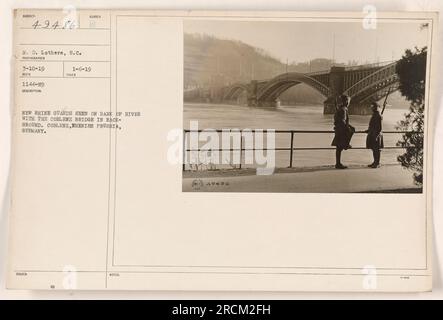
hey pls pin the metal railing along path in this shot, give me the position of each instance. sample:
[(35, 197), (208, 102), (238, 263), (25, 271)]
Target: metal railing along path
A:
[(291, 148)]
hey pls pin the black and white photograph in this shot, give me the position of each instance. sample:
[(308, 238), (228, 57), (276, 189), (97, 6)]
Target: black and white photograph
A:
[(305, 106)]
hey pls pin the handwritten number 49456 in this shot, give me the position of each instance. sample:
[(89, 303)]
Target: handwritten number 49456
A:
[(47, 24)]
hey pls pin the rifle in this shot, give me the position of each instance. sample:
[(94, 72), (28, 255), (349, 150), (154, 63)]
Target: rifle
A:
[(386, 99)]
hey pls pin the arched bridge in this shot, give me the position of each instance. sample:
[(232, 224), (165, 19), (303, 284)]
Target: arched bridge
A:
[(363, 84)]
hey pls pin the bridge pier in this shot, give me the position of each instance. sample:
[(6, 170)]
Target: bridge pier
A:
[(252, 94), (329, 106), (336, 88), (267, 104), (262, 104), (362, 109), (353, 109), (252, 102), (336, 85)]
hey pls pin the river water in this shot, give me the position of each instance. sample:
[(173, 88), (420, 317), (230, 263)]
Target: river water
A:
[(300, 117)]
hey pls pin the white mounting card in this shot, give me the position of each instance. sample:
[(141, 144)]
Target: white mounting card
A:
[(192, 150)]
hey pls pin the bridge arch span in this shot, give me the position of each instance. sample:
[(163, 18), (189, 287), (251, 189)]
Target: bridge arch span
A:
[(363, 84), (234, 91), (374, 86), (281, 83)]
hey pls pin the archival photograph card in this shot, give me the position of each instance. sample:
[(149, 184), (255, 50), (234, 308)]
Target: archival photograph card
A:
[(194, 150)]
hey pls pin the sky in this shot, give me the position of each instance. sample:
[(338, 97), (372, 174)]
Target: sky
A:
[(303, 41)]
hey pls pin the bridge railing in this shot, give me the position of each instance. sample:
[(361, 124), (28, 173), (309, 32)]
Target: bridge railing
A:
[(382, 77), (291, 147), (354, 68), (314, 73), (370, 65)]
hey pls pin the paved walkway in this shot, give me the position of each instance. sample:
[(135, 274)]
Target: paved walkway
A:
[(323, 180)]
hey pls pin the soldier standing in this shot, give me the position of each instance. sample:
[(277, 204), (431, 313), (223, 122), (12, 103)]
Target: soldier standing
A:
[(374, 139), (342, 129)]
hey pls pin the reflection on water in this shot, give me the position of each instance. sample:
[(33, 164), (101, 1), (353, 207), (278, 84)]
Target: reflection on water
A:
[(296, 118)]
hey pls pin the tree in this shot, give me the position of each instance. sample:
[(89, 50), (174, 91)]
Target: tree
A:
[(411, 70)]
